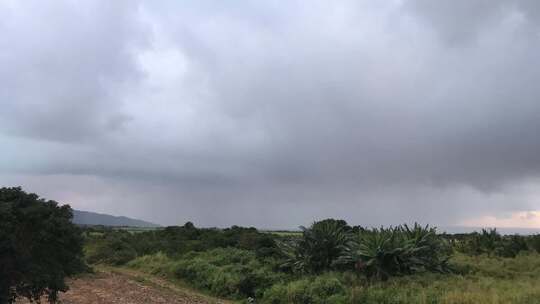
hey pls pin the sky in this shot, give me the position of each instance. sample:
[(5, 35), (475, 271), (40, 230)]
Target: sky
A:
[(274, 114)]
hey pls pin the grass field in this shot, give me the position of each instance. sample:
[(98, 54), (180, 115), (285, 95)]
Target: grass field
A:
[(483, 280), (486, 280)]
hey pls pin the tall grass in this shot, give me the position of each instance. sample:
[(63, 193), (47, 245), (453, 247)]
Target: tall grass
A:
[(157, 264), (488, 280), (227, 272), (237, 274)]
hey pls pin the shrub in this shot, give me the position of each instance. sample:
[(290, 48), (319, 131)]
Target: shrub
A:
[(381, 253), (482, 243), (511, 246), (318, 248), (490, 242), (39, 246), (174, 241), (325, 288), (534, 242), (158, 263), (227, 272), (112, 248)]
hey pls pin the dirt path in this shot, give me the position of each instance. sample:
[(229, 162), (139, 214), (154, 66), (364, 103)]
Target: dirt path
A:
[(128, 287)]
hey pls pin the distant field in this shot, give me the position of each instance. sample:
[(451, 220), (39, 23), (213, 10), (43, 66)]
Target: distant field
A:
[(99, 230), (283, 232), (137, 229)]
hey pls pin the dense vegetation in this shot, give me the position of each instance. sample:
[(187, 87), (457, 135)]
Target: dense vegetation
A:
[(116, 247), (328, 262), (332, 262), (39, 246)]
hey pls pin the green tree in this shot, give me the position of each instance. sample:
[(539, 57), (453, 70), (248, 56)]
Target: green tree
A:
[(39, 246), (385, 252), (318, 248)]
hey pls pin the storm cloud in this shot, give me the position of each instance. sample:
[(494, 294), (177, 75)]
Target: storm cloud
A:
[(274, 114)]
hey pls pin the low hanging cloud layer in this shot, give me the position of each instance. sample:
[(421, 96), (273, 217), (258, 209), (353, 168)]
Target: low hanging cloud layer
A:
[(274, 115)]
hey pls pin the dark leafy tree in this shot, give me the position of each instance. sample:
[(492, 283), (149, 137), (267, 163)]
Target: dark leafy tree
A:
[(39, 246)]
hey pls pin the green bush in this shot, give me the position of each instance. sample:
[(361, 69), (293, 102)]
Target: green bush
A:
[(112, 248), (322, 289), (534, 242), (158, 263), (109, 246), (511, 246), (490, 242), (224, 272)]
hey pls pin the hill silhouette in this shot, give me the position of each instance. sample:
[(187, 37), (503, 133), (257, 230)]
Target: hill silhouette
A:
[(92, 218)]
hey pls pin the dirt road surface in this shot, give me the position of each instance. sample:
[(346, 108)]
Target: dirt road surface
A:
[(125, 287)]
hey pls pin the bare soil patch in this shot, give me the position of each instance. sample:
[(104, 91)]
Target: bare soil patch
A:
[(126, 287)]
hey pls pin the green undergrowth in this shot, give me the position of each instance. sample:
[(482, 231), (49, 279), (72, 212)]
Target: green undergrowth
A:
[(225, 272), (332, 262), (238, 274)]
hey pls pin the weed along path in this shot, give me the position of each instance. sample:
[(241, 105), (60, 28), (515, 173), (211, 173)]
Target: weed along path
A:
[(119, 286)]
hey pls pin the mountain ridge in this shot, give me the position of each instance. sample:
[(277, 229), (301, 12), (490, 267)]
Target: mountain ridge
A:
[(81, 217)]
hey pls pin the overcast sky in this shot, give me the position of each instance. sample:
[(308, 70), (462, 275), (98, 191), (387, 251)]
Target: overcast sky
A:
[(275, 113)]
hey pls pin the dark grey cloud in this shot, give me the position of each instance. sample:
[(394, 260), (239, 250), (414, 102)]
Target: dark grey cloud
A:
[(273, 116)]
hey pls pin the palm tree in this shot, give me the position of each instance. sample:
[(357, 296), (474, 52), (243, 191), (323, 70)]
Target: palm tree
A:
[(381, 253), (318, 247), (374, 253)]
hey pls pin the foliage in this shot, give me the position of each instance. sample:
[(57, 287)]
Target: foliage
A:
[(382, 253), (113, 248), (158, 263), (487, 280), (534, 242), (485, 242), (512, 245), (491, 280), (325, 288), (39, 246), (490, 242), (117, 247), (225, 272), (318, 248), (330, 262)]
